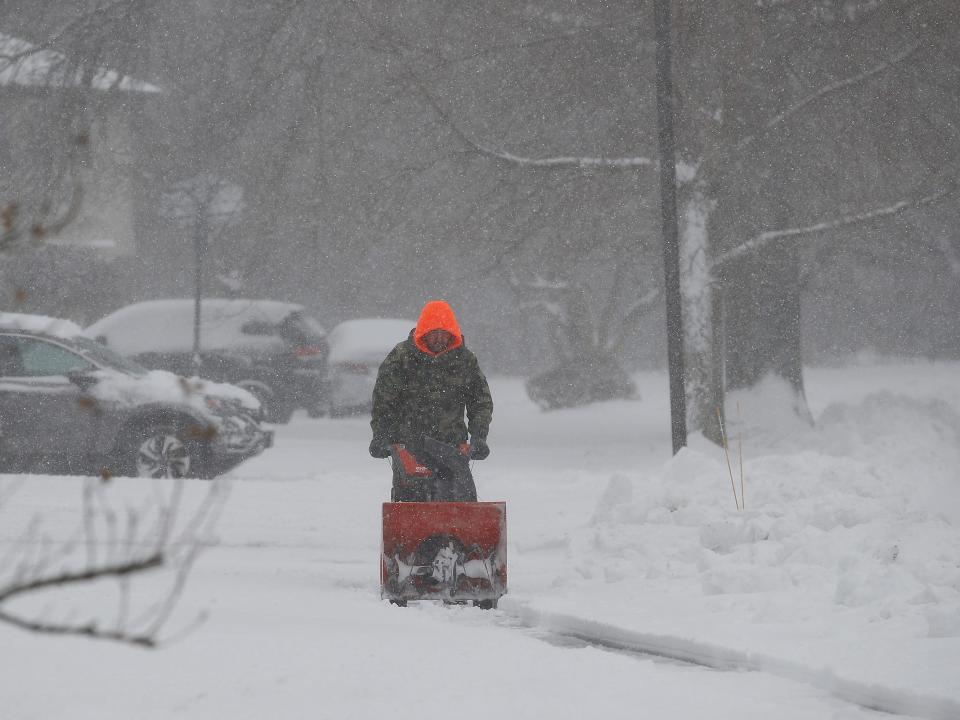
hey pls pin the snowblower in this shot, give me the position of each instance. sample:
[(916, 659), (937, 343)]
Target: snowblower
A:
[(438, 542)]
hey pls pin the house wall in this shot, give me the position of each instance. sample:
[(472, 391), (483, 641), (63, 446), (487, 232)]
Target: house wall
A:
[(105, 220)]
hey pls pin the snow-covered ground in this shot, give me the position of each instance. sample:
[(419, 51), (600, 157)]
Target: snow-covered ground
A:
[(834, 590)]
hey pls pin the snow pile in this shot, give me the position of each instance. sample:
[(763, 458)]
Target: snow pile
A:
[(848, 546), (830, 530)]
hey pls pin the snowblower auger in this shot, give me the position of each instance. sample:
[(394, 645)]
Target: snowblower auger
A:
[(444, 551)]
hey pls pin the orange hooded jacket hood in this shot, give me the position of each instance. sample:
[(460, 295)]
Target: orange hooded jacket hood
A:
[(437, 315)]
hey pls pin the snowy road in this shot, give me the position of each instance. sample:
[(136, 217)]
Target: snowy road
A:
[(295, 627)]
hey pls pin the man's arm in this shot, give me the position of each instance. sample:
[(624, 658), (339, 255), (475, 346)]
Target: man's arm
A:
[(479, 403), (386, 397)]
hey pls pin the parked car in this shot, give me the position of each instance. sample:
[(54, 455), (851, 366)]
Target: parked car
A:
[(275, 350), (70, 405), (357, 347)]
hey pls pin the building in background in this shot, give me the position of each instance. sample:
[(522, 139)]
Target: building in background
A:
[(66, 148)]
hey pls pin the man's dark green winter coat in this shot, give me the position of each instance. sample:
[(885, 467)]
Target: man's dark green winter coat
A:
[(421, 394)]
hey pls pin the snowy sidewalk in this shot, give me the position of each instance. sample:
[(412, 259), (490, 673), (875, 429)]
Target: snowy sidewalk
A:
[(842, 572)]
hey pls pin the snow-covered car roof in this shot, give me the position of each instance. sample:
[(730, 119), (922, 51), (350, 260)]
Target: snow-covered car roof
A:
[(367, 339), (57, 327), (167, 325)]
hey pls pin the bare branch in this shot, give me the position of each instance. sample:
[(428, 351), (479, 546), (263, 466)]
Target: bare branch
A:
[(95, 573), (550, 163), (765, 238), (127, 553), (624, 163), (830, 89), (90, 630), (723, 153), (568, 161)]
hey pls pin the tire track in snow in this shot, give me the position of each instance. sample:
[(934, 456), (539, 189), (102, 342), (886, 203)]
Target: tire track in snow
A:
[(866, 695)]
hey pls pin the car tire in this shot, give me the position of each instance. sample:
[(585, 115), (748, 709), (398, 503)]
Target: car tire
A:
[(162, 450)]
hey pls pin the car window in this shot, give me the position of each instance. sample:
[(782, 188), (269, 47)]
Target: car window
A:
[(40, 358)]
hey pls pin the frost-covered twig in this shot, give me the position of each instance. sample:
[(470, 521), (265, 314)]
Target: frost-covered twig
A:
[(769, 236), (619, 163), (722, 154), (548, 163), (828, 89), (566, 161)]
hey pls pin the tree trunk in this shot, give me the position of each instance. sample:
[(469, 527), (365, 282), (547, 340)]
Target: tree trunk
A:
[(760, 292), (703, 393)]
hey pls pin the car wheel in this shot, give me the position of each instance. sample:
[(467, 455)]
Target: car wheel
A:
[(160, 451)]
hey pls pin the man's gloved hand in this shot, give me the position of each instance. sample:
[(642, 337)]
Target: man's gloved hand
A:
[(478, 448), (379, 448)]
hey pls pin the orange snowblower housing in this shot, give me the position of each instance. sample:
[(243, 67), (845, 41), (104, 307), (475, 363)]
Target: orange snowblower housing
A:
[(437, 315)]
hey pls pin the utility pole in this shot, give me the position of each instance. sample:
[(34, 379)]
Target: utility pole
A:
[(671, 235)]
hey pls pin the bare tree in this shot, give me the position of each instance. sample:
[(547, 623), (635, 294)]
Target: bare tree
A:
[(56, 583)]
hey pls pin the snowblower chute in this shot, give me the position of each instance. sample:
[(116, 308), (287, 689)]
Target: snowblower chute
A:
[(451, 551)]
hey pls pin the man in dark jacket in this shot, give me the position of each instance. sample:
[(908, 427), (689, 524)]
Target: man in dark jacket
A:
[(423, 388)]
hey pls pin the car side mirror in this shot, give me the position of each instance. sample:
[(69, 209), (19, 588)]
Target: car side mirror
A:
[(83, 379)]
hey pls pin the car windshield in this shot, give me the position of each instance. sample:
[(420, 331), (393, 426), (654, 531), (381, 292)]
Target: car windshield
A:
[(102, 355)]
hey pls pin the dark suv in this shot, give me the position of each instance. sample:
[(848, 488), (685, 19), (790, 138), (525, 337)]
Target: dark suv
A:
[(275, 350), (70, 405)]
